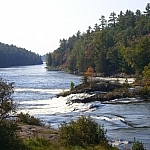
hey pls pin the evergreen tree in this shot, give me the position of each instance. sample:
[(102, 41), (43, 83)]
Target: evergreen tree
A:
[(147, 8), (142, 54), (96, 27), (120, 47), (49, 59), (103, 22), (11, 55), (112, 19)]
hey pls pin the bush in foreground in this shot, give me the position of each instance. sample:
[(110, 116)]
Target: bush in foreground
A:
[(138, 145), (9, 140), (7, 104), (82, 132)]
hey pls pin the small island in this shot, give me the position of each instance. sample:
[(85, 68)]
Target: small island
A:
[(108, 90)]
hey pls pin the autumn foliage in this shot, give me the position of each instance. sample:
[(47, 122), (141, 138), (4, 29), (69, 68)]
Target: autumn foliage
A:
[(90, 72)]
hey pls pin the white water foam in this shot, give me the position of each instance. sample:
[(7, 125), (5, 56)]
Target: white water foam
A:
[(120, 80), (51, 91), (59, 105), (109, 119), (118, 142), (123, 101)]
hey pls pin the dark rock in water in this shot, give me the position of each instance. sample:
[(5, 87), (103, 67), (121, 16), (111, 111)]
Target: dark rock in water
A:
[(99, 97), (95, 87), (101, 91)]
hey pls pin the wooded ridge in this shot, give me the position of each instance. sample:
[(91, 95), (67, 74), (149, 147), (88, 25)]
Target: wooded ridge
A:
[(11, 55), (118, 45)]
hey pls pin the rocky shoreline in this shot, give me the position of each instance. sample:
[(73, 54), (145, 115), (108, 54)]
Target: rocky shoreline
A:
[(102, 91), (99, 90), (31, 131)]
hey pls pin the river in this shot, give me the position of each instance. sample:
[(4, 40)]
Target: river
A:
[(36, 90)]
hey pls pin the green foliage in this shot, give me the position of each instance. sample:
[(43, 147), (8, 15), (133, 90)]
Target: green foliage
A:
[(9, 139), (44, 144), (146, 72), (48, 59), (27, 119), (11, 55), (82, 132), (138, 145), (85, 79), (8, 128), (123, 46), (142, 54), (126, 85), (71, 86), (7, 105), (40, 144)]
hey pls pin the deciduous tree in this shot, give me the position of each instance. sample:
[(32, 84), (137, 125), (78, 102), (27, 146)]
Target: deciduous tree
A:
[(7, 105)]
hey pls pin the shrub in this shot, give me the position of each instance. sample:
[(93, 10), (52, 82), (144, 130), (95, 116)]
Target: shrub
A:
[(146, 72), (145, 92), (71, 86), (82, 132), (138, 145), (9, 139), (7, 105), (8, 128), (85, 80), (26, 118)]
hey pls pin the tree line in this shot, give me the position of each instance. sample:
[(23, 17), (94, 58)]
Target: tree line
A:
[(118, 45), (11, 55)]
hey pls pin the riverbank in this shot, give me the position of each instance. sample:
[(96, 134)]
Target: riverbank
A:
[(101, 88), (45, 137), (36, 94), (32, 131)]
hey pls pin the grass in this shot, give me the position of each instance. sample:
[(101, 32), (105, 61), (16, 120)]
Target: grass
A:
[(44, 144), (39, 144), (83, 134)]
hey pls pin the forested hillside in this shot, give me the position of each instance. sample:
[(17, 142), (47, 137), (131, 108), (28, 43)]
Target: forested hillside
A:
[(118, 45), (11, 55)]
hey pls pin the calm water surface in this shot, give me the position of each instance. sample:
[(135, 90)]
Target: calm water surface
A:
[(35, 93)]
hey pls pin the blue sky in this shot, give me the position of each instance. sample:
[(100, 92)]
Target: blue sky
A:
[(38, 25)]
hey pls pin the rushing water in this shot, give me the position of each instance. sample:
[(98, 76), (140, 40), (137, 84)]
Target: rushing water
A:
[(35, 93)]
